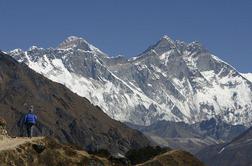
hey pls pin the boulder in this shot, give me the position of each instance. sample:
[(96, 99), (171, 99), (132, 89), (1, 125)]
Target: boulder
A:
[(2, 122), (3, 131)]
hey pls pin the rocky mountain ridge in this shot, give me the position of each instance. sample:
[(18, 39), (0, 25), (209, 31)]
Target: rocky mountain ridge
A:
[(171, 80)]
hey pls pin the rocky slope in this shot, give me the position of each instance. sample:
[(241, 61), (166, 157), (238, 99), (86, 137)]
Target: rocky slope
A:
[(44, 152), (171, 80), (235, 153), (62, 114)]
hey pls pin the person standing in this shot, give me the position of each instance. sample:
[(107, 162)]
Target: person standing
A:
[(30, 120)]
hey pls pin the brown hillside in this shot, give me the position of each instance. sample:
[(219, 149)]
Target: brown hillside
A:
[(44, 152), (174, 158), (62, 114)]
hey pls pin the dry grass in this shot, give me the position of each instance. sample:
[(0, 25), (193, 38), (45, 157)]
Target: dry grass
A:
[(174, 158)]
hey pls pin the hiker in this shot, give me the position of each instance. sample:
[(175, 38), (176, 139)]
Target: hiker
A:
[(30, 119)]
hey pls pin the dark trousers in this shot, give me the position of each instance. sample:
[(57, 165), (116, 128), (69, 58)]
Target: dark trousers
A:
[(29, 128)]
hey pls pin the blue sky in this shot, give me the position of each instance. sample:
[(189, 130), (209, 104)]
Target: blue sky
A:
[(128, 27)]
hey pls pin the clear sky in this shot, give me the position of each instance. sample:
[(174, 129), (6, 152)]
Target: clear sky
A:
[(128, 27)]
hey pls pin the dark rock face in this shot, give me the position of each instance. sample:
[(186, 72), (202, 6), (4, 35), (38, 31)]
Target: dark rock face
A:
[(61, 113), (235, 153), (218, 129), (39, 148)]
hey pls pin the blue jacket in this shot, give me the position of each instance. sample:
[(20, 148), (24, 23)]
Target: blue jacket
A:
[(30, 118)]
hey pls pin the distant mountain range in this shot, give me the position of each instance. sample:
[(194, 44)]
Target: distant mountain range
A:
[(171, 80), (192, 138)]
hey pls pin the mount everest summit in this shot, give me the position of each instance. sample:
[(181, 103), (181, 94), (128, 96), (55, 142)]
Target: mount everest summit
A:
[(171, 80)]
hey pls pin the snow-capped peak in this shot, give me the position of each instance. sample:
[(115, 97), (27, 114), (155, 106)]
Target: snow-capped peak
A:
[(166, 37), (34, 48), (16, 51), (72, 38), (195, 44), (164, 44), (167, 40), (74, 42)]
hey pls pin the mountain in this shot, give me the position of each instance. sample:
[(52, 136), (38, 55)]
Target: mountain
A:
[(190, 137), (62, 114), (171, 80), (235, 153)]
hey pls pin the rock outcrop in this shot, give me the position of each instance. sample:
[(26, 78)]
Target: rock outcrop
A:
[(3, 131)]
